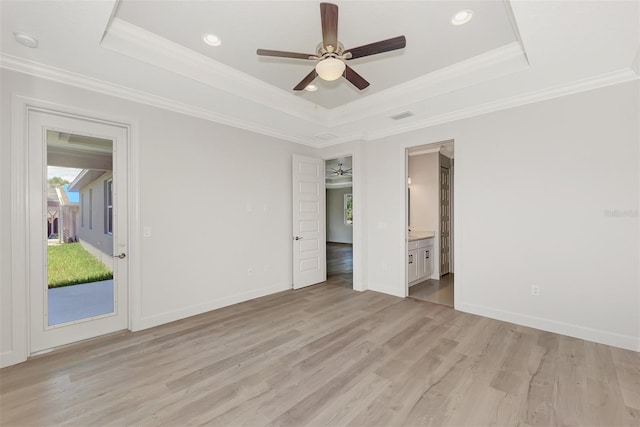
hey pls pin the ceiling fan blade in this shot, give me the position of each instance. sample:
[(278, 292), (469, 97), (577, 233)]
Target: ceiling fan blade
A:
[(308, 79), (377, 47), (329, 17), (281, 54), (355, 78)]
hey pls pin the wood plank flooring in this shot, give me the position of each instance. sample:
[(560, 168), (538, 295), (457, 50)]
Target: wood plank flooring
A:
[(435, 291), (340, 264), (327, 356)]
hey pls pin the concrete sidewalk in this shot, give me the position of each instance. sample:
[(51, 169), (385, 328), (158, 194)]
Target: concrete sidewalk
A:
[(76, 302)]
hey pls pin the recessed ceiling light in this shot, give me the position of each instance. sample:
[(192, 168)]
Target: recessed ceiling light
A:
[(26, 39), (462, 17), (311, 88), (211, 39)]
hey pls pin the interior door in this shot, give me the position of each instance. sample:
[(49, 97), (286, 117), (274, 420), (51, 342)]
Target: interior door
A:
[(445, 220), (309, 228), (44, 333)]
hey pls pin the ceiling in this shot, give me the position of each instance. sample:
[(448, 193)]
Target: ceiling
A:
[(509, 54), (295, 26), (78, 151), (336, 181)]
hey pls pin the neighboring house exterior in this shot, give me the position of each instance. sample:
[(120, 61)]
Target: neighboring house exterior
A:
[(95, 231), (62, 213)]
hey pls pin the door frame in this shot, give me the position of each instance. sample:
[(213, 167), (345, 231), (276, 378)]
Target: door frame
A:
[(454, 257), (301, 279), (358, 217), (20, 200)]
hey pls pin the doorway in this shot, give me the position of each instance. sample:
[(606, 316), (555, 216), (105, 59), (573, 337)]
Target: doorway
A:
[(339, 220), (430, 210), (78, 229)]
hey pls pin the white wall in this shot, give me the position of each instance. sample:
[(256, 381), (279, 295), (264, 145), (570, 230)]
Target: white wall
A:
[(337, 230), (424, 170), (218, 200), (425, 191), (546, 194)]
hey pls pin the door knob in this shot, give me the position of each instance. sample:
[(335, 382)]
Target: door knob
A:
[(121, 256), (297, 238)]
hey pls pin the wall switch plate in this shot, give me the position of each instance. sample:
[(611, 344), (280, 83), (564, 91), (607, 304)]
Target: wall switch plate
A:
[(535, 290), (146, 232)]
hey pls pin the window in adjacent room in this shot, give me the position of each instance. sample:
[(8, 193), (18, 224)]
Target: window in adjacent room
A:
[(91, 209), (348, 209), (108, 207)]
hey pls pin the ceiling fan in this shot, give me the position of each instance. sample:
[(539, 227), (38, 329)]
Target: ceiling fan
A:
[(340, 171), (331, 54)]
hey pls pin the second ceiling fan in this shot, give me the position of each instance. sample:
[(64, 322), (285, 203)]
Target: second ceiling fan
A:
[(331, 54)]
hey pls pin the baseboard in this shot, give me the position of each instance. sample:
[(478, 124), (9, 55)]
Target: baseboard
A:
[(595, 335), (171, 316), (6, 359), (372, 286)]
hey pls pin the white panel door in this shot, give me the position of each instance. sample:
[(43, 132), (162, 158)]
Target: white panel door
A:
[(45, 334), (309, 233)]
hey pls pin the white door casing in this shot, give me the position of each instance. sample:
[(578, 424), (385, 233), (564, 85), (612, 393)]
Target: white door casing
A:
[(309, 227), (43, 336)]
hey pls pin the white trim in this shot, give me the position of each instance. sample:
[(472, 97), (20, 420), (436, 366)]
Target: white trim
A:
[(454, 137), (7, 359), (425, 151), (594, 335), (183, 313), (20, 105), (607, 79), (19, 236), (130, 40), (594, 82), (74, 79), (495, 63), (338, 185), (359, 224), (377, 287)]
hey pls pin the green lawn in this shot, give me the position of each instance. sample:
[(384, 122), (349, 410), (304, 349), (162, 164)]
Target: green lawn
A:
[(71, 264)]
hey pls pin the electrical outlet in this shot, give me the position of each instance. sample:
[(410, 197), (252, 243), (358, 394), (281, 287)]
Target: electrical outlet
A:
[(250, 271), (535, 290)]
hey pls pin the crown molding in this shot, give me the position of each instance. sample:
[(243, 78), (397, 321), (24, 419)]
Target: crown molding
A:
[(330, 186), (130, 40), (89, 83), (424, 151), (73, 79), (607, 79), (498, 62)]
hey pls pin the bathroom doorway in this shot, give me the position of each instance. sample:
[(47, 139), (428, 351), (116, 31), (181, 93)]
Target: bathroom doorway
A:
[(430, 208)]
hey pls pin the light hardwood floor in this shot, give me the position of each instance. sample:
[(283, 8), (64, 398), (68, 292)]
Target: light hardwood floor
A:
[(327, 355), (436, 291), (340, 264)]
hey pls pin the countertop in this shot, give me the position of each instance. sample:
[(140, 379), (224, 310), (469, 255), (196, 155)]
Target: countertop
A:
[(419, 235)]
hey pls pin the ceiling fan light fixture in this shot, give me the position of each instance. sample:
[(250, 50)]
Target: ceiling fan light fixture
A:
[(311, 88), (211, 39), (330, 69), (462, 17)]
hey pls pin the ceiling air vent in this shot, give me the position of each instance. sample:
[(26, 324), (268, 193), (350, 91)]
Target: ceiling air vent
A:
[(325, 136), (401, 116)]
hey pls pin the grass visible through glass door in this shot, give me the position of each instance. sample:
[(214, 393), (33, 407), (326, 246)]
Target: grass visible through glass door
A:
[(71, 264)]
